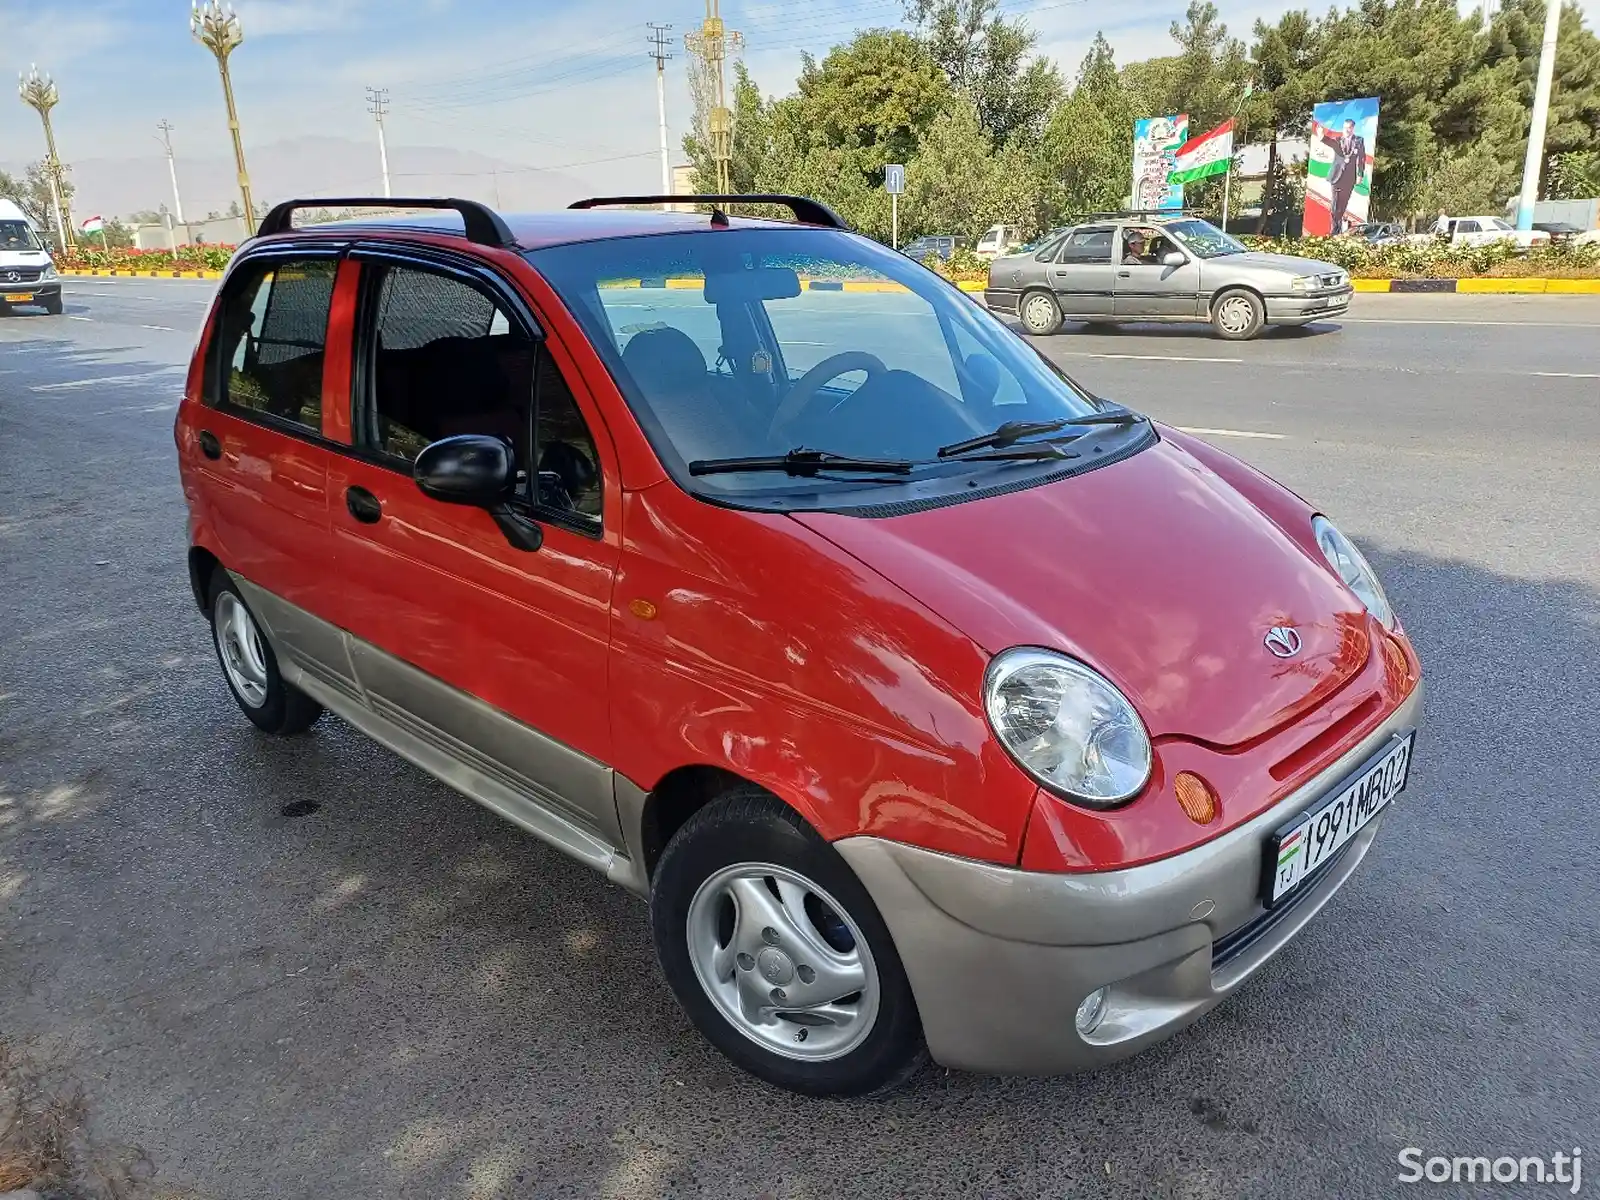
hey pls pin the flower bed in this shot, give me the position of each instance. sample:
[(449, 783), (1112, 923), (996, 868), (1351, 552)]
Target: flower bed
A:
[(1441, 260), (188, 258)]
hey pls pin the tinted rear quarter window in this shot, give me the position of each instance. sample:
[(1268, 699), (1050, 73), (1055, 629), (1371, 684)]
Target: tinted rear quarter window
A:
[(271, 340)]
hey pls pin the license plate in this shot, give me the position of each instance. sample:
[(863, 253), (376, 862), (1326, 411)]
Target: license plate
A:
[(1295, 851), (17, 297)]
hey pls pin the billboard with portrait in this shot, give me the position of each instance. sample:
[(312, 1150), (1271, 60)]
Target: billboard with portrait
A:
[(1155, 148), (1339, 169)]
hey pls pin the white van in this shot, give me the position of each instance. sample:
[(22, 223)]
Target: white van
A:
[(27, 276), (997, 241)]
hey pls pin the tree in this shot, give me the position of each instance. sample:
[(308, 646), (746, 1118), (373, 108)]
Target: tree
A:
[(1280, 105), (985, 57), (1087, 151), (234, 210), (956, 184), (32, 195), (1207, 77)]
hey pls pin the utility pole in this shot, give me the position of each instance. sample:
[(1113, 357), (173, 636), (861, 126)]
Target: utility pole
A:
[(711, 44), (219, 31), (39, 93), (378, 105), (1541, 116), (172, 169), (658, 51)]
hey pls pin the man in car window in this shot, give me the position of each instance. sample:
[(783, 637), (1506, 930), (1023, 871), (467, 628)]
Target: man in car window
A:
[(1133, 249)]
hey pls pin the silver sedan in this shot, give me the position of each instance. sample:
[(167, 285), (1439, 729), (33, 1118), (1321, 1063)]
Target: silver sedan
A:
[(1152, 268)]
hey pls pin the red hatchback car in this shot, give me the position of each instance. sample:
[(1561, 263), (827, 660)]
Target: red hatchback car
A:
[(936, 705)]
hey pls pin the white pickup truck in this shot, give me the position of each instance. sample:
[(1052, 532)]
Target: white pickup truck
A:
[(1480, 231)]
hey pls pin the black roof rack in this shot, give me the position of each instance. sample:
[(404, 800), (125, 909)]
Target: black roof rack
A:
[(810, 212), (1122, 213), (482, 224)]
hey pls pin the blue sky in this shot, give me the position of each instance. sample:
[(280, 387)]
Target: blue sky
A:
[(556, 83)]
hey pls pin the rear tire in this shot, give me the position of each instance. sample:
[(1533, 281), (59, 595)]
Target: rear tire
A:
[(750, 908), (1039, 313), (251, 668), (1238, 315)]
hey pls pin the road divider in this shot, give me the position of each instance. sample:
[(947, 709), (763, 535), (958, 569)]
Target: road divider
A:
[(1506, 286)]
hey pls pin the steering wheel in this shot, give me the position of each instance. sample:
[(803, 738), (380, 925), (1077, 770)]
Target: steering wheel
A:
[(805, 389)]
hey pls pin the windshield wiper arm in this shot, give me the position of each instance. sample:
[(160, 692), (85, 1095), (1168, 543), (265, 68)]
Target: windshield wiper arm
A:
[(1010, 432), (800, 461), (1111, 416)]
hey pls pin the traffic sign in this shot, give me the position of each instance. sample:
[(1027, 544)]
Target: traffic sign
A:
[(894, 179)]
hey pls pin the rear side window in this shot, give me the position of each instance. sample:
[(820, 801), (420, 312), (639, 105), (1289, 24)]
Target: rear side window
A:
[(271, 339), (1087, 246)]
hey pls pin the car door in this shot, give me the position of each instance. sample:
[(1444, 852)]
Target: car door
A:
[(1082, 275), (489, 653), (260, 431), (1153, 288)]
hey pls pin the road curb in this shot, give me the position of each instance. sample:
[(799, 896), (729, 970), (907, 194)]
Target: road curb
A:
[(1507, 286), (94, 272)]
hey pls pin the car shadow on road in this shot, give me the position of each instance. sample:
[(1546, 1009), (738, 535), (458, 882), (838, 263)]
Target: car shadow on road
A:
[(299, 966)]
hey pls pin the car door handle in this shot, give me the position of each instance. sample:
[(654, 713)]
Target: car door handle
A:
[(363, 505), (1124, 274), (209, 445)]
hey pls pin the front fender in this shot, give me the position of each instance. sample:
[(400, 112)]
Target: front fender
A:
[(746, 642)]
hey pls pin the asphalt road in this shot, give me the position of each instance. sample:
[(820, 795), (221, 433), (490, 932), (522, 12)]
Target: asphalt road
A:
[(299, 967)]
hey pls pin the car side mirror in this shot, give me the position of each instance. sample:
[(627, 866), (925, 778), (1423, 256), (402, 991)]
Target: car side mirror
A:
[(470, 468), (1174, 258), (480, 471)]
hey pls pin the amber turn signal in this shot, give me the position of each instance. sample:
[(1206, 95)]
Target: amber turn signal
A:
[(642, 609), (1195, 797)]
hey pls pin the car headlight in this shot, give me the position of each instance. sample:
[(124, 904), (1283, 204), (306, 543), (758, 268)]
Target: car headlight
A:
[(1353, 568), (49, 271), (1067, 726), (1303, 283)]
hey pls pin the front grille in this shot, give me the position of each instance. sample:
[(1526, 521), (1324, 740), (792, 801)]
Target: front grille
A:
[(1225, 949), (1329, 281), (20, 274)]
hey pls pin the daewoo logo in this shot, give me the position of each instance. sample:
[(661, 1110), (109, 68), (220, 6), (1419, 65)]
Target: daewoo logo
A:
[(1283, 641)]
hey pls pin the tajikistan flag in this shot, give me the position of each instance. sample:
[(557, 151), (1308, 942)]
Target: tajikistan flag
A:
[(1209, 154), (94, 225)]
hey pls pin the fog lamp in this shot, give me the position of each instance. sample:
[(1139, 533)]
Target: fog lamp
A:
[(1092, 1011)]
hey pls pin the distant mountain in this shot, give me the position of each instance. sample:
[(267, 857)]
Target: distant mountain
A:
[(311, 166)]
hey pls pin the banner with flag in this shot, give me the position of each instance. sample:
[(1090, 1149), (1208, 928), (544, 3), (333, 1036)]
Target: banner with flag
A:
[(94, 225), (1209, 154)]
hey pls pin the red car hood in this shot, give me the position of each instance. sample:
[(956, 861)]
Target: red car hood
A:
[(1154, 570)]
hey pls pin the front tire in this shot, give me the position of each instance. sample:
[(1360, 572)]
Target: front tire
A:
[(1238, 315), (1039, 313), (54, 306), (250, 666), (778, 954)]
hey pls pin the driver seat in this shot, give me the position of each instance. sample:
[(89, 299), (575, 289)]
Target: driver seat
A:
[(670, 370)]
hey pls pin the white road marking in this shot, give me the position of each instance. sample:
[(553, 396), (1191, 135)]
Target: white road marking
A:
[(138, 408), (1432, 321), (1150, 357), (70, 384), (1568, 374), (1238, 433), (72, 318), (162, 328)]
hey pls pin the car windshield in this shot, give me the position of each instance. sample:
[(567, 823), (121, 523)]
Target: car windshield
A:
[(18, 235), (755, 342), (1204, 239)]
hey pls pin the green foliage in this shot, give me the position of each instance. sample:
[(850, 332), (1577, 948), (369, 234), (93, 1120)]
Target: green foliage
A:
[(1439, 259), (1087, 150), (985, 58), (957, 185)]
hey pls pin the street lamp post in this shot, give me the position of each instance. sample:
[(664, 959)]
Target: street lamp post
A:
[(218, 30), (39, 92)]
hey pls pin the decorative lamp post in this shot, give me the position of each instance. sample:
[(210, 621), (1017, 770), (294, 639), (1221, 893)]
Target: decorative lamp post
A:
[(39, 92), (218, 30)]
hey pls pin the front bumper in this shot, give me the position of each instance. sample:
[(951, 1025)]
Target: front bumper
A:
[(40, 292), (999, 959), (1298, 309)]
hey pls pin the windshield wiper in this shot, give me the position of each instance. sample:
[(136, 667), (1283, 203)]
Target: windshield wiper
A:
[(800, 461), (1010, 432), (1013, 431)]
